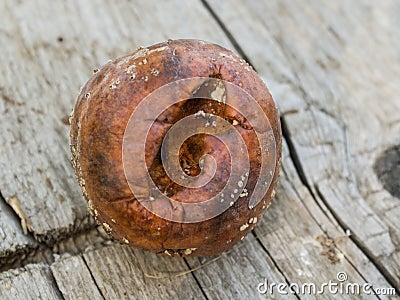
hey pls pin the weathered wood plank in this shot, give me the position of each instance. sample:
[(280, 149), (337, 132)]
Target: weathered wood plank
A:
[(305, 251), (74, 279), (13, 243), (336, 73), (31, 282), (237, 273), (48, 51), (73, 245), (296, 245), (120, 273), (336, 243)]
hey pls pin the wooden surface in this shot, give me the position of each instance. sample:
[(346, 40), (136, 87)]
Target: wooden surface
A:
[(334, 71)]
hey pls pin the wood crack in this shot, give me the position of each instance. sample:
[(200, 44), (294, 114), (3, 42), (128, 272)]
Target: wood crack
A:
[(55, 284), (93, 278), (43, 253), (196, 280), (274, 262), (325, 231), (226, 31), (22, 244), (385, 273)]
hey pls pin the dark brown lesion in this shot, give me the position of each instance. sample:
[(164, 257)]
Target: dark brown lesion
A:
[(216, 75), (195, 147), (189, 154)]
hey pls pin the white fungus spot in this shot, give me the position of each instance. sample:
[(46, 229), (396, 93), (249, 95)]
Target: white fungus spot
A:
[(189, 251), (235, 122), (231, 204), (154, 72), (90, 207), (218, 93), (107, 227), (244, 226), (125, 240), (159, 49), (200, 113), (253, 220), (113, 220), (130, 69), (244, 193), (240, 184), (115, 84), (232, 196)]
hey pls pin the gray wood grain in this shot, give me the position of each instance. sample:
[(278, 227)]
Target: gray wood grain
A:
[(121, 272), (336, 244), (43, 253), (31, 282), (295, 250), (74, 279), (237, 273), (305, 251), (334, 71), (13, 243)]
